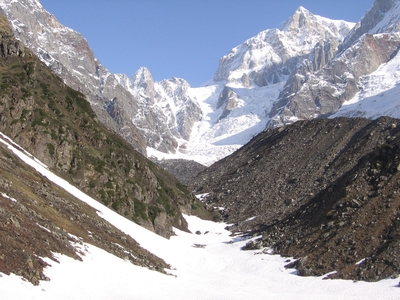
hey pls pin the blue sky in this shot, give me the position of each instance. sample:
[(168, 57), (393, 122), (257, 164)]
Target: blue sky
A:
[(181, 38)]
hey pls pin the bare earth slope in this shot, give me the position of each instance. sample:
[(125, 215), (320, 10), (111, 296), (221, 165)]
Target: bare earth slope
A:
[(322, 190)]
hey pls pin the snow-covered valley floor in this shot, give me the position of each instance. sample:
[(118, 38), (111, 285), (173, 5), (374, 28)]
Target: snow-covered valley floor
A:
[(209, 265), (220, 270)]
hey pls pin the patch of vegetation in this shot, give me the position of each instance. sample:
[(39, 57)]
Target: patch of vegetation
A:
[(51, 149), (92, 184), (40, 116), (116, 205), (153, 212), (109, 185), (99, 165), (140, 210), (165, 201)]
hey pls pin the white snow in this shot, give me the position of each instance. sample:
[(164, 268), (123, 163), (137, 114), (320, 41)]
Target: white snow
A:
[(206, 266), (8, 197)]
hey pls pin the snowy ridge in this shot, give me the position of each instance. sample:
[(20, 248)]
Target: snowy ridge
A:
[(209, 265), (390, 20)]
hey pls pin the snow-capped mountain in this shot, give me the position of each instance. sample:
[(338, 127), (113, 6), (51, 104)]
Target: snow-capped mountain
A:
[(308, 67), (272, 55), (371, 44)]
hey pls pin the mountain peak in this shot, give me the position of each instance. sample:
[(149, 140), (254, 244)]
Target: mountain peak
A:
[(302, 10), (142, 78), (300, 19)]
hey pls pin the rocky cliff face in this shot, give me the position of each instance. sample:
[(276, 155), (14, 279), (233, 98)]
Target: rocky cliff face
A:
[(321, 190), (164, 112), (58, 126)]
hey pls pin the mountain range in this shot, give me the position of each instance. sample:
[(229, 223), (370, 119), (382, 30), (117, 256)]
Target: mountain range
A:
[(309, 67), (297, 127)]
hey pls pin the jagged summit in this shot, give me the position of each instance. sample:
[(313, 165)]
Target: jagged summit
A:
[(141, 77), (298, 20)]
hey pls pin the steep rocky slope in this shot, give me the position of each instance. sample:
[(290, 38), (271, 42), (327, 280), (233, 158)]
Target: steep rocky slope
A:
[(39, 220), (57, 125), (68, 54), (321, 190)]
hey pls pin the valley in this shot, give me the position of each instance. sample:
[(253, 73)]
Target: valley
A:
[(282, 170)]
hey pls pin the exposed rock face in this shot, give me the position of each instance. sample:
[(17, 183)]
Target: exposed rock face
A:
[(165, 112), (321, 94), (57, 125), (330, 183), (381, 18), (228, 99)]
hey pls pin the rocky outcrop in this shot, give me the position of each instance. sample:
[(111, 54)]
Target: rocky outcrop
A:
[(9, 46), (321, 94), (330, 183), (228, 100)]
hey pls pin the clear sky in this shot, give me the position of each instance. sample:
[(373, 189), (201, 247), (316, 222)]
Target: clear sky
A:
[(182, 38)]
